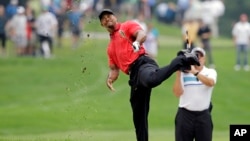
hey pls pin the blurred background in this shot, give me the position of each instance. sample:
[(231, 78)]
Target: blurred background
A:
[(73, 16), (227, 11)]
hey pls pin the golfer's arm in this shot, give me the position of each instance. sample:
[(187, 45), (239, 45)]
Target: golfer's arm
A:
[(177, 88), (113, 73), (140, 36)]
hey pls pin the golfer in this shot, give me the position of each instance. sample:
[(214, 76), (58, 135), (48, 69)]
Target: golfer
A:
[(127, 54)]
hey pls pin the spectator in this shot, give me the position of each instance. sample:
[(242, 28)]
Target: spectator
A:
[(17, 26), (191, 26), (194, 11), (69, 4), (151, 43), (129, 9), (46, 27), (45, 3), (165, 12), (211, 11), (76, 24), (207, 13), (218, 11), (194, 89), (146, 8), (204, 34), (11, 9), (182, 7), (31, 32), (3, 23), (59, 8), (112, 4), (241, 36), (141, 21), (149, 9)]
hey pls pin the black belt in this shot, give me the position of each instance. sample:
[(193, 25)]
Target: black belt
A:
[(197, 113), (138, 62)]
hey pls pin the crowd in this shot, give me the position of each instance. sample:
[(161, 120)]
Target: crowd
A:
[(34, 31), (57, 12)]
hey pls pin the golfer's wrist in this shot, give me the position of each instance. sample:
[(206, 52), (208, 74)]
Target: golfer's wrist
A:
[(196, 73), (110, 79)]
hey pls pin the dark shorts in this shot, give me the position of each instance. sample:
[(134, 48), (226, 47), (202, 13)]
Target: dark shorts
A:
[(76, 31)]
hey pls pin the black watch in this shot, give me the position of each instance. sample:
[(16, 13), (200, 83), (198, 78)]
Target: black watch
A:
[(196, 73)]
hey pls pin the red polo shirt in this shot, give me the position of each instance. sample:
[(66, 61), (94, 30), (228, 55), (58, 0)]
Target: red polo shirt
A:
[(120, 51)]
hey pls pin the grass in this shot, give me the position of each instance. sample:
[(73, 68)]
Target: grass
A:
[(66, 99), (123, 135)]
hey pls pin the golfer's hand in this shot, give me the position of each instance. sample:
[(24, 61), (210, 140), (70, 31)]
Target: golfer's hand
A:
[(109, 83), (136, 46)]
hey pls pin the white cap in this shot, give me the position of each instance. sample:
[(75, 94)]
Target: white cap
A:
[(199, 49), (20, 9)]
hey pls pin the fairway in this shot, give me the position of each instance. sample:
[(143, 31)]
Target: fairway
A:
[(155, 135), (66, 99)]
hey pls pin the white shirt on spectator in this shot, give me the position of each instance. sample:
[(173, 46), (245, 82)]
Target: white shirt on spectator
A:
[(241, 32), (46, 24), (196, 96)]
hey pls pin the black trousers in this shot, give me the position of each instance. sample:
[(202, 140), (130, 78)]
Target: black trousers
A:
[(208, 49), (145, 74), (190, 126), (43, 38), (3, 40)]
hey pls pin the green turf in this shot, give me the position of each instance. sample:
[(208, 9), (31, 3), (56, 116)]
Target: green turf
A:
[(65, 98), (117, 135)]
